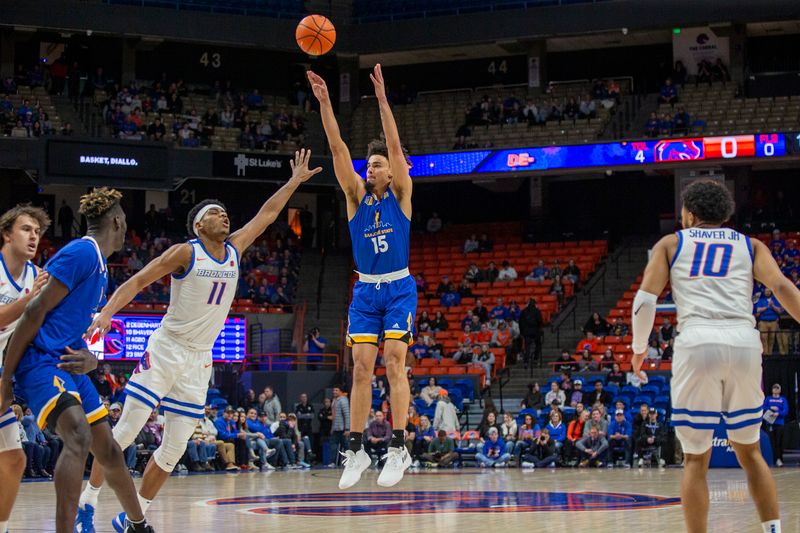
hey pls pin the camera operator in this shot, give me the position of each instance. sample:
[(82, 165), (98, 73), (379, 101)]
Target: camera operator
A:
[(315, 344), (542, 454)]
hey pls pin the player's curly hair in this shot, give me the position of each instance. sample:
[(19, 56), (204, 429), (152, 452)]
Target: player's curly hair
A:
[(710, 201), (378, 147), (9, 218), (98, 203), (196, 209)]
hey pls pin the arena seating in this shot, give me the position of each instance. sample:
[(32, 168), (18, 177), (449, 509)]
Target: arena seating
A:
[(715, 110), (429, 124), (621, 346), (441, 254), (377, 10), (222, 138), (37, 97), (266, 8)]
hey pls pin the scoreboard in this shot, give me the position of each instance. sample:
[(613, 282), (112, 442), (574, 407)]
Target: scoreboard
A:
[(127, 338), (613, 154)]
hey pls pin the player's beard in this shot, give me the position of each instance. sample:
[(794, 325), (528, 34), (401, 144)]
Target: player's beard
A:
[(369, 186)]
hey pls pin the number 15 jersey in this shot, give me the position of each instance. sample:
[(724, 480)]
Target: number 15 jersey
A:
[(201, 297), (712, 276), (380, 234)]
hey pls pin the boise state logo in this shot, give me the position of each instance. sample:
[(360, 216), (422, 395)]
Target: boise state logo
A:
[(329, 504), (680, 150), (144, 363)]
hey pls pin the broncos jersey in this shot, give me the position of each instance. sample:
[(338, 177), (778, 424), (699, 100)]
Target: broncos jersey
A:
[(12, 290), (712, 276), (201, 297), (380, 234)]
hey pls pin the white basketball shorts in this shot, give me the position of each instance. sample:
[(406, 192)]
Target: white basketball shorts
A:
[(716, 375), (172, 375), (9, 432)]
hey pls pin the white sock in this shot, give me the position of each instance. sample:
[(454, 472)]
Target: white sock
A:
[(4, 526), (144, 503), (88, 496), (770, 526)]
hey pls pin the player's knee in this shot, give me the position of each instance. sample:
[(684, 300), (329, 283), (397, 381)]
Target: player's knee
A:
[(362, 370), (77, 436), (108, 453), (746, 453), (169, 454)]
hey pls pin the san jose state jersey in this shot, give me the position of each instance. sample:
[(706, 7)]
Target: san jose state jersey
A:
[(201, 297), (712, 276), (380, 233), (12, 290)]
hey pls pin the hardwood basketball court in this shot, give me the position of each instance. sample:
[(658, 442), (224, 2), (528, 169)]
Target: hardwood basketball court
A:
[(464, 501)]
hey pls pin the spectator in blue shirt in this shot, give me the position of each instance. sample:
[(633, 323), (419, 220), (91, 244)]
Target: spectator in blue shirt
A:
[(768, 311), (665, 125), (777, 238), (790, 251), (620, 434), (558, 431), (316, 344), (493, 453), (539, 273), (668, 93), (424, 435), (776, 407), (449, 296), (419, 350), (499, 311), (227, 432), (514, 311), (254, 99), (681, 121)]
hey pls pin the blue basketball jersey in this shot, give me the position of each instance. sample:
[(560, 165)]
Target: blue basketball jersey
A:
[(380, 233), (81, 266)]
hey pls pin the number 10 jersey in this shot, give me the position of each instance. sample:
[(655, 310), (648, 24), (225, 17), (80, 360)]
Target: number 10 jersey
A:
[(712, 277)]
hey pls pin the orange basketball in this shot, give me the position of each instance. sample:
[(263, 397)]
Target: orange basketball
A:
[(315, 35)]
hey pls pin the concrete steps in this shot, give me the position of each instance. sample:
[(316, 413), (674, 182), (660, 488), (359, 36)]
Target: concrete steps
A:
[(619, 273), (328, 311)]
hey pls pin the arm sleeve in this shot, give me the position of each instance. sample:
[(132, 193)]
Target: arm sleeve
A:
[(644, 314)]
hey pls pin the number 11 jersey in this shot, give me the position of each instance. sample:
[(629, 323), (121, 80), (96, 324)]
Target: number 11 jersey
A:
[(201, 297)]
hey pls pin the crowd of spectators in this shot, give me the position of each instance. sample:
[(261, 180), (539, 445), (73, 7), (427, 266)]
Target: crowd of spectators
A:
[(779, 332), (136, 111), (707, 72), (679, 121), (29, 119), (511, 110)]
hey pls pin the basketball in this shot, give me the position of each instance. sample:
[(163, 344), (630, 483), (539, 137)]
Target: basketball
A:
[(315, 35)]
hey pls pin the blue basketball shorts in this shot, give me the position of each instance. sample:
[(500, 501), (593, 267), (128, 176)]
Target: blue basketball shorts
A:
[(41, 385), (385, 309)]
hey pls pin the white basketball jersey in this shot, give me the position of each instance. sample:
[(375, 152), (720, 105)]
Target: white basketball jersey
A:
[(712, 276), (10, 291), (201, 298)]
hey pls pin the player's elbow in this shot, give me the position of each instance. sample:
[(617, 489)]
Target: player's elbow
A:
[(784, 289)]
